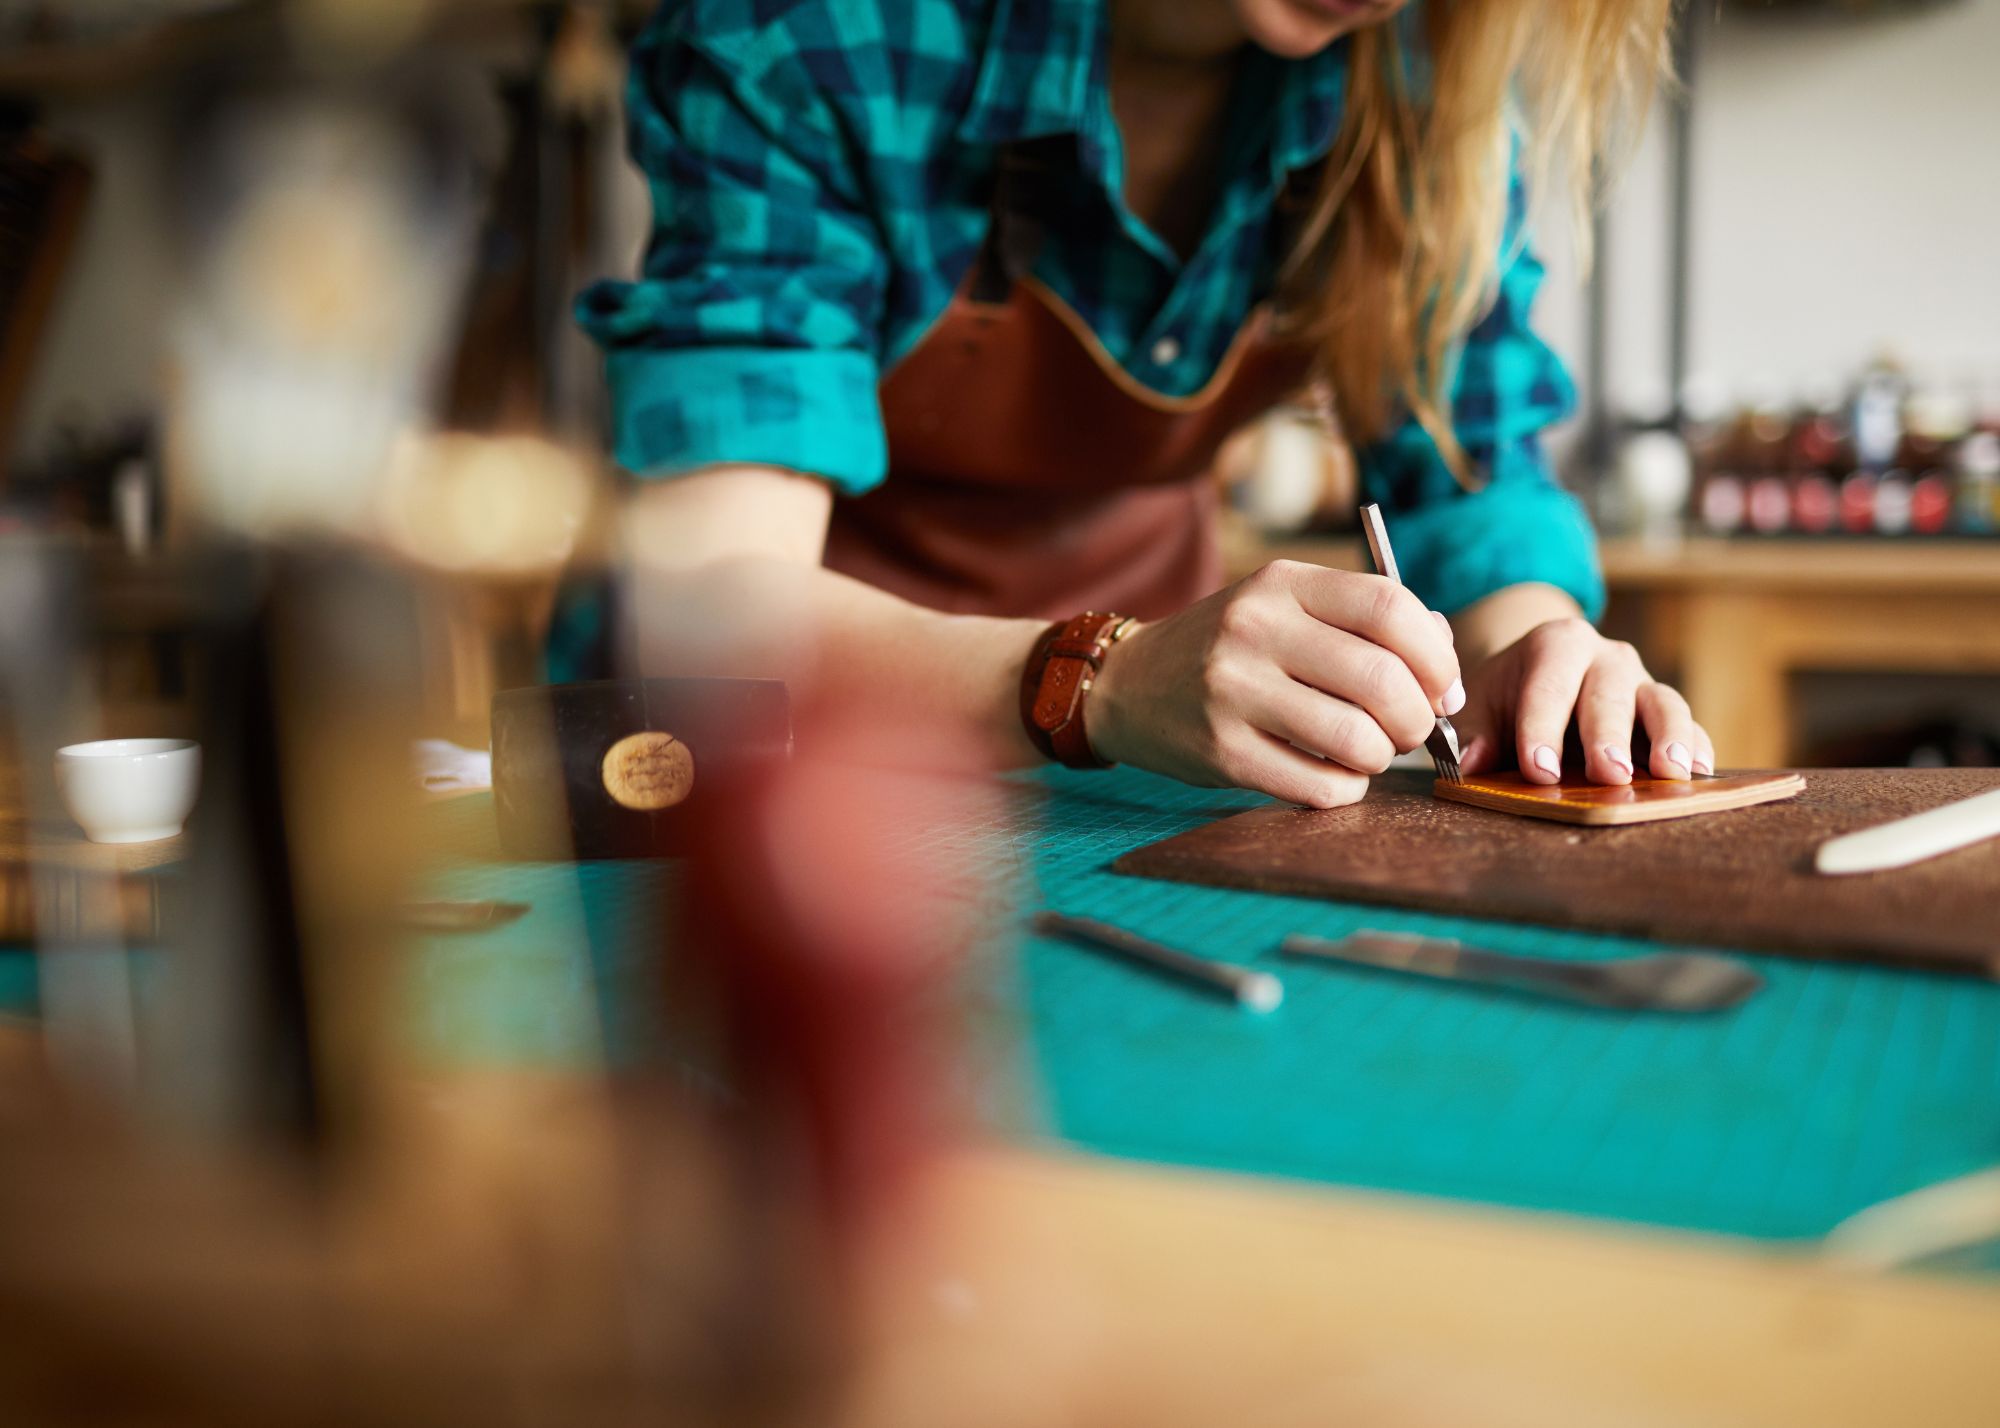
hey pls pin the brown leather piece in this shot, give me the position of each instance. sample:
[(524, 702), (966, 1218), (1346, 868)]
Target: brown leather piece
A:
[(1031, 476), (1644, 800), (1737, 879)]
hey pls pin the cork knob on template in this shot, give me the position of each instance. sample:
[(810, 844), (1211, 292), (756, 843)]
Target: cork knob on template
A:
[(648, 772)]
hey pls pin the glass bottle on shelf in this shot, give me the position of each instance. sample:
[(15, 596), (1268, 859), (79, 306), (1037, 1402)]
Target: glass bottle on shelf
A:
[(1709, 433), (1878, 416), (1978, 505)]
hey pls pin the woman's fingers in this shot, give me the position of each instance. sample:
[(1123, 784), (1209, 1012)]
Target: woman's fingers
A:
[(1385, 614), (1363, 674), (1321, 725), (1549, 690), (1301, 682), (1565, 674), (1479, 754), (1670, 725), (1604, 713), (1266, 764)]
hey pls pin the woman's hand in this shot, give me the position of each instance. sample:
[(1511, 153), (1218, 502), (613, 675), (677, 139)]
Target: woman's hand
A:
[(1297, 681), (1523, 698)]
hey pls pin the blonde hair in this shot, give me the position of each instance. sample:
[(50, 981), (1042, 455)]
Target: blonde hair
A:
[(1401, 254)]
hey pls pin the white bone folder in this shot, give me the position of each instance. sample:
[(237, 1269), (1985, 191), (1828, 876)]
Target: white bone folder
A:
[(1913, 839)]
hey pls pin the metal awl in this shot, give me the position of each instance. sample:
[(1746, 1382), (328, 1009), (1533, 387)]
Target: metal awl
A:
[(1660, 981), (1443, 740)]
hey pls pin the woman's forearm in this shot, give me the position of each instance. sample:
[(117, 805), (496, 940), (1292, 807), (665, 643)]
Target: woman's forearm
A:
[(1488, 626), (715, 589)]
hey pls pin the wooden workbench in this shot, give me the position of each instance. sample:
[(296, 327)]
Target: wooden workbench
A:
[(1732, 621)]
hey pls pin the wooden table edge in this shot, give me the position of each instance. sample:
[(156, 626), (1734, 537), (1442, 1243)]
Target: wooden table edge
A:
[(1209, 1297)]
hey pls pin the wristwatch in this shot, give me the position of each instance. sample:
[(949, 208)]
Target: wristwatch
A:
[(1056, 682)]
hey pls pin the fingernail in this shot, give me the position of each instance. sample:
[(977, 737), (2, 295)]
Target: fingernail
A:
[(1454, 698), (1678, 756), (1705, 768), (1619, 757), (1445, 621), (1548, 761)]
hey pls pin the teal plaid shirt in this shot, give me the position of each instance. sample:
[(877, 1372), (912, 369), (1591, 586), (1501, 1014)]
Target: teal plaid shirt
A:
[(821, 172)]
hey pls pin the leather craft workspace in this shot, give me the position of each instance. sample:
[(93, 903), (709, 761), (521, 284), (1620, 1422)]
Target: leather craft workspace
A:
[(1738, 879)]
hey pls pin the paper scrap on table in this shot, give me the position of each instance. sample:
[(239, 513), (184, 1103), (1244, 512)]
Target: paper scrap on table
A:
[(444, 767)]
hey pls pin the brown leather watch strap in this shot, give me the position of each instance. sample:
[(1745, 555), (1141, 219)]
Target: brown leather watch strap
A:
[(1056, 681)]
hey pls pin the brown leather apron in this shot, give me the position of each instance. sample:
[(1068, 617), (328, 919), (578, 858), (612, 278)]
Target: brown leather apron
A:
[(1029, 474)]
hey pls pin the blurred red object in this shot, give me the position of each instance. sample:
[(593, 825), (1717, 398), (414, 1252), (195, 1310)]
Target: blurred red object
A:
[(1815, 505), (1930, 505), (1857, 503), (1770, 505), (828, 902)]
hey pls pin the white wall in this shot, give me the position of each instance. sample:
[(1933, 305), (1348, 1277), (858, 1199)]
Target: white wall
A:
[(1846, 197)]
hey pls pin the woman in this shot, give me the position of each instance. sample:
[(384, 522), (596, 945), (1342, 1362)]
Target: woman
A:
[(949, 304)]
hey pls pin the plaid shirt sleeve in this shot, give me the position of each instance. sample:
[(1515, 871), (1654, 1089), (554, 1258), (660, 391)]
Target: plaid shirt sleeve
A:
[(753, 332), (1455, 546)]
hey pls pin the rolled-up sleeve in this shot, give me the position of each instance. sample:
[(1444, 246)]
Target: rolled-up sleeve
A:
[(1518, 525), (753, 334)]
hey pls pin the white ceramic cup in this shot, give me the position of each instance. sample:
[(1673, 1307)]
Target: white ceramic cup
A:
[(130, 790)]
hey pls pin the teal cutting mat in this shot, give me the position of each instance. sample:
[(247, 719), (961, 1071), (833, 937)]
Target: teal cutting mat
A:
[(1836, 1087)]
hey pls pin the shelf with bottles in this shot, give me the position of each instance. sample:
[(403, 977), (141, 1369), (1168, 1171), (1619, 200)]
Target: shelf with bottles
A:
[(1888, 457), (1883, 457)]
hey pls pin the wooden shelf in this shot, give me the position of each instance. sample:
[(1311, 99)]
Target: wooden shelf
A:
[(1941, 567)]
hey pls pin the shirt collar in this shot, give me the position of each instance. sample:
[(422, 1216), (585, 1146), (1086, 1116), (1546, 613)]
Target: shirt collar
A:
[(1042, 61)]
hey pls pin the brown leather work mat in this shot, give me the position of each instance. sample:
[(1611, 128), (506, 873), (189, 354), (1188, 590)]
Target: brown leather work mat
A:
[(1741, 878)]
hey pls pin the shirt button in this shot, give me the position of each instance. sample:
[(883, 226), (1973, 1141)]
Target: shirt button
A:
[(1166, 352)]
